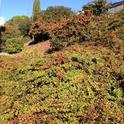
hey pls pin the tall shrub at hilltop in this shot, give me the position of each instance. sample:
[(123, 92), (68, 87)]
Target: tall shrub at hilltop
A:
[(42, 30), (52, 14), (83, 27), (104, 30), (36, 10)]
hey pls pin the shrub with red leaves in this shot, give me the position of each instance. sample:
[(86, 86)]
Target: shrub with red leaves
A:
[(83, 27), (42, 30)]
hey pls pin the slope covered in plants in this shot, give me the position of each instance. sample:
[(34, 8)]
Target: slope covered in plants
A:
[(81, 84)]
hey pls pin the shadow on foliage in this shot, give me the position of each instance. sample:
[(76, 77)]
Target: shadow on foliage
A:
[(39, 38)]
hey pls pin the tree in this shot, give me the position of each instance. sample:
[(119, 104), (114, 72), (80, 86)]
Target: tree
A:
[(97, 7), (52, 14), (36, 10)]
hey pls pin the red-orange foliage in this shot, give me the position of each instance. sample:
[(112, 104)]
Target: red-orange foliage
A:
[(25, 119), (7, 66), (14, 121), (60, 75), (82, 27), (41, 117), (3, 64), (45, 67), (41, 28), (60, 59)]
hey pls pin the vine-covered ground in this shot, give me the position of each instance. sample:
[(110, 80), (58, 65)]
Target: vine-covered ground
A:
[(81, 84)]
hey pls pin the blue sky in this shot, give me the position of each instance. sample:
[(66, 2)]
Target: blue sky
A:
[(10, 8)]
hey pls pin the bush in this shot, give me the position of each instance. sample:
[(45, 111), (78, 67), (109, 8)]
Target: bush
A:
[(106, 30), (41, 30), (14, 45), (21, 23), (83, 27), (14, 37), (38, 30), (72, 32), (10, 34), (51, 19)]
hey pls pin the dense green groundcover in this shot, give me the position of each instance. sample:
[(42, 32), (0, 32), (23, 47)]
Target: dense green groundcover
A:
[(82, 84)]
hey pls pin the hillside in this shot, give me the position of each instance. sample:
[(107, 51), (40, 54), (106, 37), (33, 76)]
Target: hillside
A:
[(80, 84), (76, 76)]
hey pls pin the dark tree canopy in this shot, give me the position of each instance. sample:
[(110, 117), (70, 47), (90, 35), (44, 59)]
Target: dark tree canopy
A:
[(57, 13), (97, 7)]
